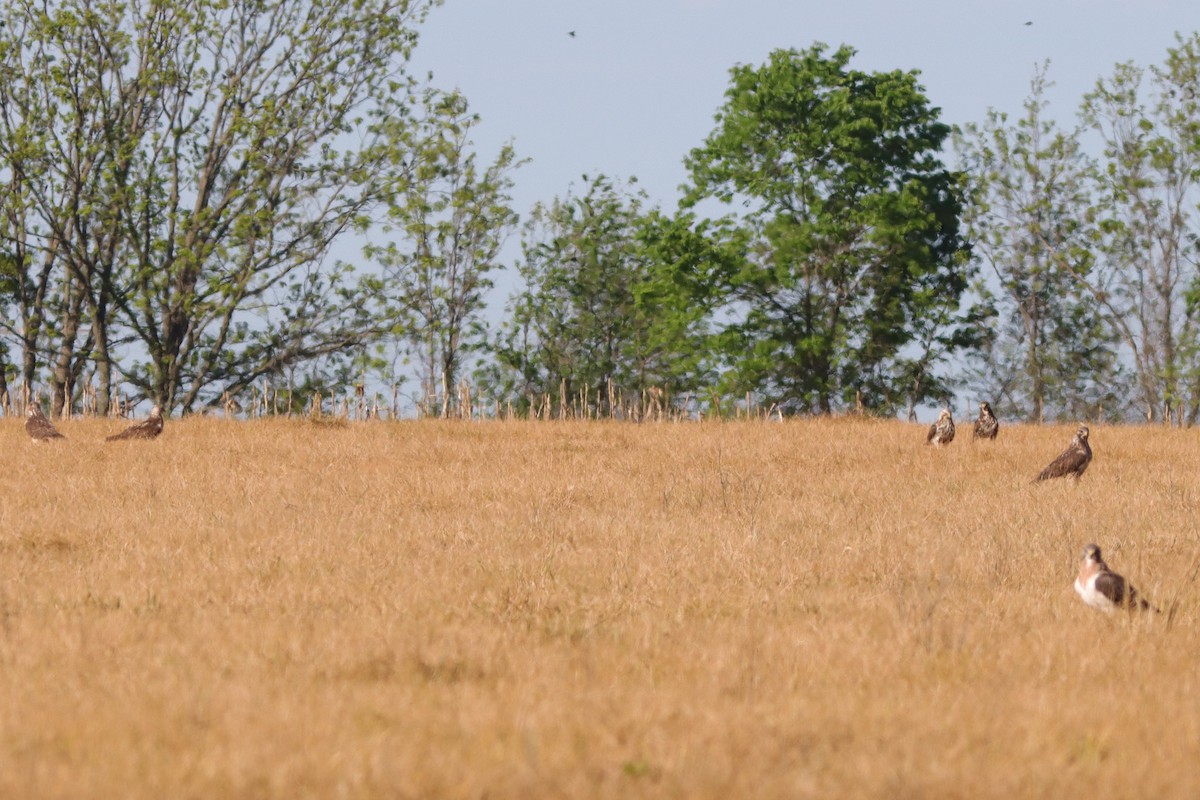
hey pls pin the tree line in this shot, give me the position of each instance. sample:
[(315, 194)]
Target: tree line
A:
[(181, 183)]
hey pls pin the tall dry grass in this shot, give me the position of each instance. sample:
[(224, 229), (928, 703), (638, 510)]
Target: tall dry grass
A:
[(282, 609)]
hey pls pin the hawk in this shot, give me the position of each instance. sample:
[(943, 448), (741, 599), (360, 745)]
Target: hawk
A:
[(146, 429), (1071, 462), (942, 431), (38, 427), (1101, 588), (987, 426)]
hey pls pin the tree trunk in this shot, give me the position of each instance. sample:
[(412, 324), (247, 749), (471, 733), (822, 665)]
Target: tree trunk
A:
[(103, 360), (5, 400), (63, 381)]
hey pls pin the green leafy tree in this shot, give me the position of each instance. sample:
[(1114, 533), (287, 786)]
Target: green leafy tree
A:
[(855, 233), (610, 310), (1051, 353), (1149, 184), (455, 218), (176, 175), (65, 122), (676, 301)]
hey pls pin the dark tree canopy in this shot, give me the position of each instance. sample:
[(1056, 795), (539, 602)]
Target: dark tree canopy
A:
[(852, 285)]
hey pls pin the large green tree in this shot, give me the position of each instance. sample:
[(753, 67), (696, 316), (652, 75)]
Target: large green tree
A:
[(177, 173), (852, 286)]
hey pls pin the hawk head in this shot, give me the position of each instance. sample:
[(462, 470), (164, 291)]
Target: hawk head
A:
[(1091, 554)]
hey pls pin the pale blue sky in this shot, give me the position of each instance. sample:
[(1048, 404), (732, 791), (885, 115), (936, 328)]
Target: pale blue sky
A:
[(638, 85)]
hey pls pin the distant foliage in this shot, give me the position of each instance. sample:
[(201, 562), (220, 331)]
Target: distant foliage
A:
[(446, 230), (1147, 281), (849, 294), (176, 175), (605, 313), (180, 179), (1049, 353), (1090, 261)]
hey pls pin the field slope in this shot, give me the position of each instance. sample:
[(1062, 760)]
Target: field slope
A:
[(282, 609)]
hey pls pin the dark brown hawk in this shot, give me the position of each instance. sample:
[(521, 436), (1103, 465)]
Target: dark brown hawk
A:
[(1072, 462), (146, 429), (942, 431), (1104, 589), (38, 427), (987, 426)]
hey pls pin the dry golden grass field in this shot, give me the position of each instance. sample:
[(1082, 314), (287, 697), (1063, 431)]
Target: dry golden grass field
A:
[(284, 609)]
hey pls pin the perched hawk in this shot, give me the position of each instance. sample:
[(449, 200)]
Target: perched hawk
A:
[(1104, 589), (146, 429), (1072, 461), (38, 427), (942, 431), (986, 427)]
